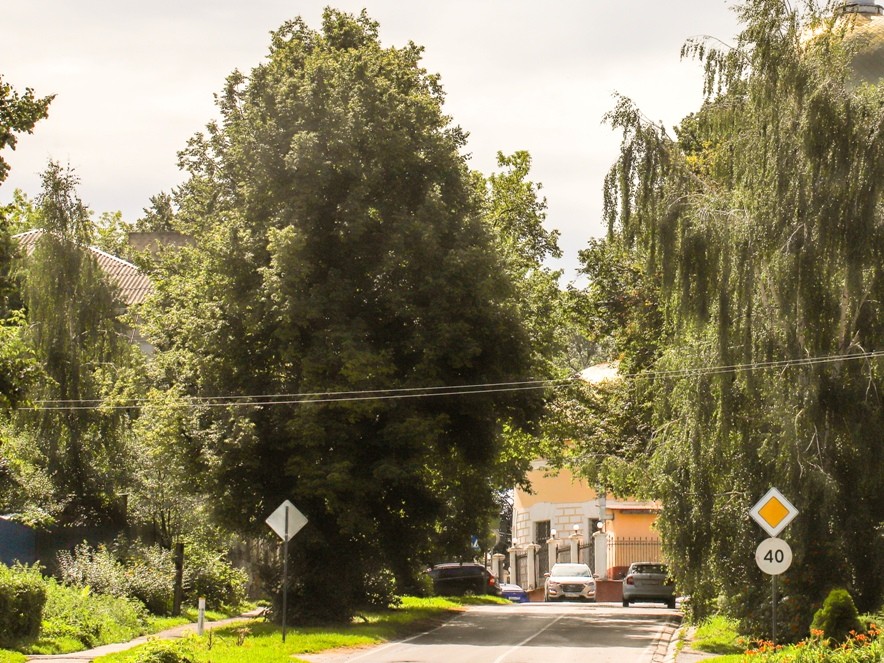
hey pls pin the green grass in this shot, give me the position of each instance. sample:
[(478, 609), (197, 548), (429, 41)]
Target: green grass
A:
[(263, 642), (7, 656), (155, 624), (76, 619), (718, 635)]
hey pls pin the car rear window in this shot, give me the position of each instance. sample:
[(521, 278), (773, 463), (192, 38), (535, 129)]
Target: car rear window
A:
[(459, 572), (659, 569)]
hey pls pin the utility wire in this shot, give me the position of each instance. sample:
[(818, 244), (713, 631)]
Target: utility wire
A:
[(263, 400)]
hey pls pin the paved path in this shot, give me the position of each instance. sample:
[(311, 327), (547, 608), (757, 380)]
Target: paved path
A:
[(170, 634)]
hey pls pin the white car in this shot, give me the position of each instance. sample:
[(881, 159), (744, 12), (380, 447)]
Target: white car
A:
[(569, 581)]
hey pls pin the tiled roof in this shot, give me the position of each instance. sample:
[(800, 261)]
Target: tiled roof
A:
[(133, 284)]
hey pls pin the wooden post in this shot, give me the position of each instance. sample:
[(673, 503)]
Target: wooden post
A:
[(179, 579)]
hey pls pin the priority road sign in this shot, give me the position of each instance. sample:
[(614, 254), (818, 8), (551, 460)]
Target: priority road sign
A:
[(773, 512)]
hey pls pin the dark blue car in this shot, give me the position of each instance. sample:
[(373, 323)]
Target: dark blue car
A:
[(513, 592)]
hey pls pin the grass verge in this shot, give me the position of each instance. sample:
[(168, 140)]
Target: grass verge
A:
[(261, 642), (718, 635), (7, 656)]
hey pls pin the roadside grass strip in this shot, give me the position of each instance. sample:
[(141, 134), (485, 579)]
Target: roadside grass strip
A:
[(718, 635), (856, 648), (255, 641)]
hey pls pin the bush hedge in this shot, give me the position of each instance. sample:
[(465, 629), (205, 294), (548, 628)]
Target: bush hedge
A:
[(160, 651), (209, 574), (838, 616), (89, 618), (22, 598), (147, 573)]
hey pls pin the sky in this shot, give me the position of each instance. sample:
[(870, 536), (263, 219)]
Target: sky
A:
[(133, 81)]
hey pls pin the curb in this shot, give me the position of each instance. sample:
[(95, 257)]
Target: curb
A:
[(665, 649)]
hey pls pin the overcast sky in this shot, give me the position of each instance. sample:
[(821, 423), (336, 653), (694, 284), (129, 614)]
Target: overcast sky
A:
[(135, 80)]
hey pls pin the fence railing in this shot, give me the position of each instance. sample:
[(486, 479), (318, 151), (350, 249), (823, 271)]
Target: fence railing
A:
[(620, 553), (623, 552)]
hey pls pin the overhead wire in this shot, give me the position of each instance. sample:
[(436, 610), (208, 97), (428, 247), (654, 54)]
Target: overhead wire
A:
[(324, 397)]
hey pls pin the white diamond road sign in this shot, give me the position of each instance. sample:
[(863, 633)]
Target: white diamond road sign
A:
[(773, 512), (277, 521)]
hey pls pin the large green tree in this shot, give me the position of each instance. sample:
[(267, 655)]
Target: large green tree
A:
[(340, 260), (762, 225), (75, 333)]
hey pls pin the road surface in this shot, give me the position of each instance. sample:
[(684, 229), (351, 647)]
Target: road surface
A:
[(530, 633)]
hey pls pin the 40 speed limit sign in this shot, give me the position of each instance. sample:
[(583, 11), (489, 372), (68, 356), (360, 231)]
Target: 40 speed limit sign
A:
[(773, 556)]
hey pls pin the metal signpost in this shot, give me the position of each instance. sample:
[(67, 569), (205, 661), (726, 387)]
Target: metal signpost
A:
[(773, 556), (286, 521)]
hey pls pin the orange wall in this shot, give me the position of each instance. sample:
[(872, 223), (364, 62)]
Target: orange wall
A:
[(562, 488), (629, 525)]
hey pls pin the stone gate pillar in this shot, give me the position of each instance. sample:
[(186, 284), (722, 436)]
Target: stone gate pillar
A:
[(600, 545)]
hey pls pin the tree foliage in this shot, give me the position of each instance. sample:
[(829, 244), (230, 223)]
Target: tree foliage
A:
[(18, 113), (760, 227), (339, 250), (75, 334)]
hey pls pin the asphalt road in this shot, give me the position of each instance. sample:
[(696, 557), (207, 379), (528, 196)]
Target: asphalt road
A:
[(529, 633)]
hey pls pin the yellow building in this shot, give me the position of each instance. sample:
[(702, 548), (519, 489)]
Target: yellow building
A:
[(562, 510)]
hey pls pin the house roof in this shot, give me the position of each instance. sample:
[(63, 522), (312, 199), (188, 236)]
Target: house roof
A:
[(134, 285)]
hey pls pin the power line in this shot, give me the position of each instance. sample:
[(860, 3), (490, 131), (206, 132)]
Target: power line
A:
[(324, 397)]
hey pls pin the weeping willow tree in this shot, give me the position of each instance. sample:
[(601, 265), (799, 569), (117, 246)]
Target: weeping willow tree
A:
[(760, 225), (75, 333)]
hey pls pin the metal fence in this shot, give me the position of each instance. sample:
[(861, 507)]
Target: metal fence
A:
[(542, 566), (563, 554), (585, 554), (623, 552)]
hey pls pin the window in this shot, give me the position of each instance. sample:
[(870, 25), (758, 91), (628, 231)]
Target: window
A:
[(541, 531)]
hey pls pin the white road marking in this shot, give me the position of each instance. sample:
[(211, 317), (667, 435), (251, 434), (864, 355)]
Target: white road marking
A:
[(375, 650), (528, 639)]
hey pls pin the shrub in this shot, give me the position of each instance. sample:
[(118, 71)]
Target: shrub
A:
[(91, 567), (91, 619), (149, 575), (151, 572), (163, 651), (208, 573), (22, 597), (838, 616)]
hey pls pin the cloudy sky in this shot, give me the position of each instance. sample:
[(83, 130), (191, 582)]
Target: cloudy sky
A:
[(135, 80)]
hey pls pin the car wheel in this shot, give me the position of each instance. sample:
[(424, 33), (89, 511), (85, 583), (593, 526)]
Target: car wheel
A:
[(625, 603)]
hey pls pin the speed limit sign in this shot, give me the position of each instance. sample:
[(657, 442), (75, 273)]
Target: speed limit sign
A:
[(773, 556)]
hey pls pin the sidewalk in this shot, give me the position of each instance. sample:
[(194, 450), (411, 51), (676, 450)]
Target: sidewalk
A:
[(178, 632)]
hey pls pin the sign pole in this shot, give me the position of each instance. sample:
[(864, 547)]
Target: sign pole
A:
[(773, 609), (285, 571), (286, 521)]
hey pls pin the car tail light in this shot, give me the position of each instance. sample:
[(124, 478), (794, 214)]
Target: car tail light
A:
[(629, 580), (491, 581)]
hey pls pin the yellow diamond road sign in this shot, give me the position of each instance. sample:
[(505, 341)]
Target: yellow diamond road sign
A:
[(773, 512)]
